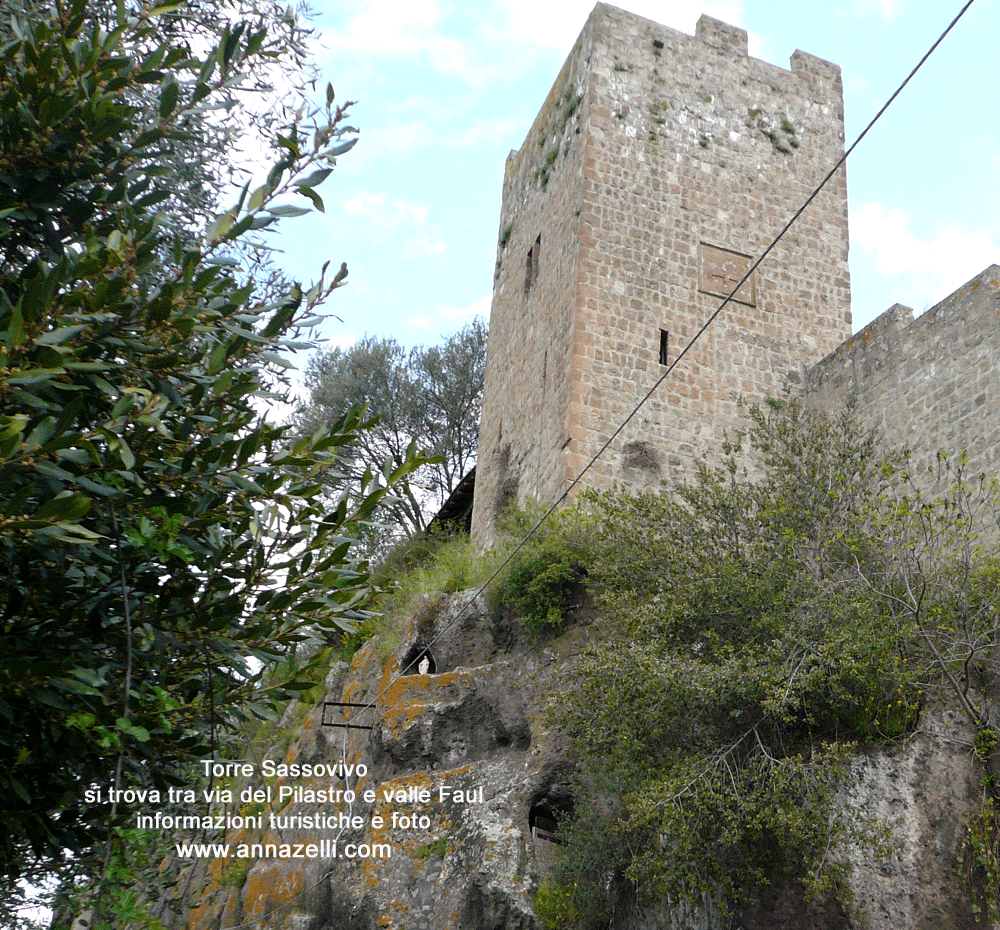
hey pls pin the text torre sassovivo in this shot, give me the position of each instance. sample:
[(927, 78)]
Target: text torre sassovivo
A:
[(271, 769)]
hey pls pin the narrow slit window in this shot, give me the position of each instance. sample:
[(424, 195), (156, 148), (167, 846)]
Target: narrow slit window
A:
[(664, 347), (531, 266)]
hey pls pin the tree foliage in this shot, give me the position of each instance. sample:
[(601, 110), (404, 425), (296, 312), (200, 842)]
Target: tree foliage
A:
[(543, 584), (161, 543), (217, 137), (430, 396), (758, 631)]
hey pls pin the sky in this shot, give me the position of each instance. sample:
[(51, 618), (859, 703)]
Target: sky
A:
[(446, 89)]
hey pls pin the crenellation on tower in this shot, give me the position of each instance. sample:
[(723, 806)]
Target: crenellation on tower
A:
[(925, 381), (659, 167), (805, 65), (720, 35)]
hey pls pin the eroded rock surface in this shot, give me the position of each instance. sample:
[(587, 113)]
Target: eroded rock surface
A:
[(470, 735), (476, 728)]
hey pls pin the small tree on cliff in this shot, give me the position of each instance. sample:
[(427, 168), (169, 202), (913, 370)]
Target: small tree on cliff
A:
[(161, 543)]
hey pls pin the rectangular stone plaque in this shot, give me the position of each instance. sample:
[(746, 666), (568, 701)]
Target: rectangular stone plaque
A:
[(720, 269)]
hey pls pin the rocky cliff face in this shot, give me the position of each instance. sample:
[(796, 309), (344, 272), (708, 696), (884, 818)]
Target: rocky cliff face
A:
[(465, 787)]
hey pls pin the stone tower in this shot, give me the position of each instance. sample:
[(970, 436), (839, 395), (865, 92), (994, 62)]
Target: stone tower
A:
[(659, 166)]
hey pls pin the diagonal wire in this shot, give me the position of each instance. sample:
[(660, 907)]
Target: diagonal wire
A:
[(576, 481), (687, 348)]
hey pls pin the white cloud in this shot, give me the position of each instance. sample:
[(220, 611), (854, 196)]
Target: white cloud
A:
[(928, 269), (424, 247), (343, 339), (411, 135), (385, 214), (390, 215), (382, 27), (413, 30), (887, 9), (443, 320), (481, 132), (377, 29), (402, 136)]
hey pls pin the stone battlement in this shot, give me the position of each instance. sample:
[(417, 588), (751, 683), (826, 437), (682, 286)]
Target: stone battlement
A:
[(927, 382)]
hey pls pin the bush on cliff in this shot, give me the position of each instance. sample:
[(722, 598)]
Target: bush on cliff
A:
[(757, 632)]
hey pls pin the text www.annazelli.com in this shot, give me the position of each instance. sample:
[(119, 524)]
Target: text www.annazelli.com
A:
[(324, 849)]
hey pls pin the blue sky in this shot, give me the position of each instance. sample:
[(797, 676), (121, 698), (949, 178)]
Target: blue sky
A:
[(446, 89)]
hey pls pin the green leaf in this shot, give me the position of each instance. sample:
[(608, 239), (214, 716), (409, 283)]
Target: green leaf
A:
[(169, 95), (64, 506), (15, 330), (289, 144), (13, 426), (69, 533), (94, 487), (247, 485), (288, 210), (257, 198), (343, 148), (125, 453), (19, 789), (278, 360), (61, 335), (53, 471), (167, 8), (35, 376), (314, 197), (316, 177), (217, 358), (298, 685), (147, 138), (221, 225)]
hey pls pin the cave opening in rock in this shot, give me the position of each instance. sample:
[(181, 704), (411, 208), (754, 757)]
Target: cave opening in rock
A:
[(419, 660), (543, 821)]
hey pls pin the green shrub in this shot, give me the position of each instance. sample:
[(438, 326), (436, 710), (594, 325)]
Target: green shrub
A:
[(980, 861), (405, 556), (235, 872), (427, 565), (554, 906), (980, 856), (544, 581), (436, 848), (748, 648), (587, 881)]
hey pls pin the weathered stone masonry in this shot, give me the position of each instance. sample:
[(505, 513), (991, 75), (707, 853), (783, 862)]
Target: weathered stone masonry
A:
[(659, 163), (929, 384)]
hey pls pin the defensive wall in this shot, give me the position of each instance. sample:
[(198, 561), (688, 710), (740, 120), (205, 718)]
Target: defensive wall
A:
[(658, 166), (929, 384)]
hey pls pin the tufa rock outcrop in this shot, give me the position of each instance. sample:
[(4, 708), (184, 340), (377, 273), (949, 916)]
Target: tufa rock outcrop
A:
[(478, 729)]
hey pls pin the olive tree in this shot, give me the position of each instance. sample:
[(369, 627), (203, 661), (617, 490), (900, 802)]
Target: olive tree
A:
[(429, 396)]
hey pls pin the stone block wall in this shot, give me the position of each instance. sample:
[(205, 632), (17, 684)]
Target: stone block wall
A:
[(928, 384), (659, 165), (532, 320)]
